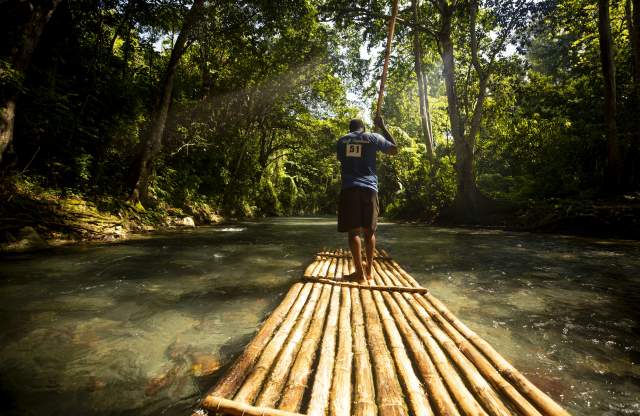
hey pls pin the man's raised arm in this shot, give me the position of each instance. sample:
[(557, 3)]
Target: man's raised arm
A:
[(379, 122)]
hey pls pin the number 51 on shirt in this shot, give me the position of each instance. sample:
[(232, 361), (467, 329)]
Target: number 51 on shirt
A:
[(354, 150)]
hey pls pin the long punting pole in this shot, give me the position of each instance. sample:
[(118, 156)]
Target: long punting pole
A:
[(387, 55)]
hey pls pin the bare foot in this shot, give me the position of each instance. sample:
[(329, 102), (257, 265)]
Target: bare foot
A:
[(367, 270)]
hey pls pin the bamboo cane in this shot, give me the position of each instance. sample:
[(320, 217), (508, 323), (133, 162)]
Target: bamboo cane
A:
[(331, 271), (387, 55), (367, 286), (321, 270), (510, 373), (338, 275), (401, 273), (388, 390), (438, 393), (322, 381), (418, 402), (364, 401), (308, 272), (253, 383), (230, 407), (301, 369), (484, 392), (485, 367), (340, 394), (325, 267), (272, 386), (345, 267), (464, 398), (230, 383), (528, 389)]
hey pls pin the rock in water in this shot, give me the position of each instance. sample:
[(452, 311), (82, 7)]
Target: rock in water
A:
[(204, 364), (183, 222)]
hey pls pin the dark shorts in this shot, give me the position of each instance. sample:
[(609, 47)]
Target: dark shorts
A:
[(358, 208)]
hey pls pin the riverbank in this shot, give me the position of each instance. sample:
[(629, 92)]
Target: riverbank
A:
[(32, 218), (605, 218), (610, 218), (36, 219)]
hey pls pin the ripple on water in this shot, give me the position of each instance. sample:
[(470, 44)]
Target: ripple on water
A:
[(133, 327)]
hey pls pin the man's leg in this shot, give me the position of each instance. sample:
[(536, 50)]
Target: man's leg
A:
[(356, 247), (370, 245)]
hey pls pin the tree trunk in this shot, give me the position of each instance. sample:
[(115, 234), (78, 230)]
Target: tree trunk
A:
[(425, 83), (632, 162), (635, 43), (468, 198), (614, 160), (20, 59), (153, 143), (422, 87)]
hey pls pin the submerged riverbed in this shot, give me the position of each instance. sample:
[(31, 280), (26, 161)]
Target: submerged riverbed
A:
[(141, 327)]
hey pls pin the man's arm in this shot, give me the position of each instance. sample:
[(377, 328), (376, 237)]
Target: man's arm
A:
[(379, 122)]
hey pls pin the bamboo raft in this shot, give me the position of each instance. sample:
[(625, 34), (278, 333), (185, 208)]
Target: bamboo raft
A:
[(387, 347)]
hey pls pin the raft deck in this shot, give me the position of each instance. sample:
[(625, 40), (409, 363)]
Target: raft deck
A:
[(387, 347)]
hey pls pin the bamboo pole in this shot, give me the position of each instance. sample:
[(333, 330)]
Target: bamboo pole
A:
[(311, 268), (345, 267), (368, 286), (230, 383), (253, 383), (456, 386), (388, 390), (364, 401), (321, 270), (338, 275), (331, 271), (302, 367), (325, 267), (483, 391), (418, 401), (437, 391), (272, 386), (345, 254), (387, 55), (340, 394), (322, 381), (485, 367), (510, 373), (230, 407), (401, 273), (524, 386)]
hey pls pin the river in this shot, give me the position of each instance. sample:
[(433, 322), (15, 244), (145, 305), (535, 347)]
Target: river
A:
[(141, 326)]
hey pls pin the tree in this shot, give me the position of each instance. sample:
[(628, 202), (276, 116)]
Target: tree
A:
[(425, 118), (153, 142), (614, 160), (39, 14), (501, 17), (633, 156)]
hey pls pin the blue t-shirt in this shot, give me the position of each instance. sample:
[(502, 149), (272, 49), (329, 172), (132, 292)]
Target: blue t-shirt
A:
[(357, 155)]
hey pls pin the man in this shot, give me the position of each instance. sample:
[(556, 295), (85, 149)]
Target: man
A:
[(358, 206)]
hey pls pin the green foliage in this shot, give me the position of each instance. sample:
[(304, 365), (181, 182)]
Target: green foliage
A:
[(411, 187), (261, 98)]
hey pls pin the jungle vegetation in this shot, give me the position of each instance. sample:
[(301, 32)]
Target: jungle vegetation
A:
[(238, 104)]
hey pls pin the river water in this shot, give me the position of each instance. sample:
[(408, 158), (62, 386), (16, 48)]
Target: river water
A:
[(141, 327)]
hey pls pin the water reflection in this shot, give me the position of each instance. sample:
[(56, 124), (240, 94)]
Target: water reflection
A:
[(143, 326)]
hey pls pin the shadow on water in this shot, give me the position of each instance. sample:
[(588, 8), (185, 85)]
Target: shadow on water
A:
[(147, 325)]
